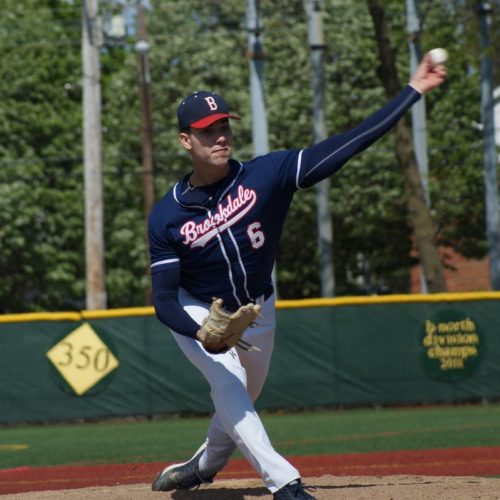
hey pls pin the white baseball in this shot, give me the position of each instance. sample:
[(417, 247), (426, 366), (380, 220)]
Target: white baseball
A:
[(438, 56)]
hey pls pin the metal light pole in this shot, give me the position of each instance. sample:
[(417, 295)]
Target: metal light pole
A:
[(489, 149), (92, 157), (315, 13), (256, 62), (419, 128), (256, 66), (418, 109)]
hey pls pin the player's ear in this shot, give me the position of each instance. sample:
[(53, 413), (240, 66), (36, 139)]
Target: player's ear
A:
[(185, 140)]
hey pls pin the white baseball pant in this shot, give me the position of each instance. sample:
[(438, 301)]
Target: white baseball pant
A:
[(236, 379)]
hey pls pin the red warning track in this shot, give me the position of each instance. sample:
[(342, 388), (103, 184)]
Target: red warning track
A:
[(480, 461)]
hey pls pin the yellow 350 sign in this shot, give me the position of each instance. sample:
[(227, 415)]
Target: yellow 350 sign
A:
[(82, 359), (86, 356)]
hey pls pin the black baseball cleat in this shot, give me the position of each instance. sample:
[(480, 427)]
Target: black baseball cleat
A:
[(182, 476), (293, 490)]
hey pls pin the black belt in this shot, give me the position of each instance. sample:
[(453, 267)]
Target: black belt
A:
[(232, 307)]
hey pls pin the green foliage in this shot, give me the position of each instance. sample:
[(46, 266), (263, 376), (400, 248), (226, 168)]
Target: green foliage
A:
[(41, 211), (455, 140), (200, 44)]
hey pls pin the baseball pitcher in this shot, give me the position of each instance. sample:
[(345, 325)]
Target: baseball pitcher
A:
[(213, 242)]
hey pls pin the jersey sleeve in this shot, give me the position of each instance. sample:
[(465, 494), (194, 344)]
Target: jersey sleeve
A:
[(165, 281), (326, 157), (162, 252), (280, 168), (169, 311)]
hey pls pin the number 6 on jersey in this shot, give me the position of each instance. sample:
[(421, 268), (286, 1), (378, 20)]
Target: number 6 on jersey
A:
[(256, 235)]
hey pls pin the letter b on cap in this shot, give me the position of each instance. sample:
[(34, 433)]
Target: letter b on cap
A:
[(211, 103)]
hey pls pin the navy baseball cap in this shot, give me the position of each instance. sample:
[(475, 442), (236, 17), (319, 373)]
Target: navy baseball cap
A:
[(201, 109)]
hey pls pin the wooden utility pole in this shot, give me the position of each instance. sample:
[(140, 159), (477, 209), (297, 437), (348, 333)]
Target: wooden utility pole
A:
[(92, 157), (142, 48), (315, 13)]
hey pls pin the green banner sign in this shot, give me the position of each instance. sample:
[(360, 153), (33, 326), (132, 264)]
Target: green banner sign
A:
[(341, 352), (451, 345)]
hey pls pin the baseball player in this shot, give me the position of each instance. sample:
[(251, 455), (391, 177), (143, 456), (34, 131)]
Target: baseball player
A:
[(215, 234)]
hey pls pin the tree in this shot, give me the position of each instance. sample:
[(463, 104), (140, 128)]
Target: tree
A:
[(419, 215), (201, 44), (41, 211)]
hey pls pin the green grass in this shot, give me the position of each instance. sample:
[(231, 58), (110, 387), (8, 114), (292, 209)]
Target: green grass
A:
[(318, 432)]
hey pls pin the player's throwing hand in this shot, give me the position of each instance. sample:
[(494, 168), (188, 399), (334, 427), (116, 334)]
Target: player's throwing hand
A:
[(428, 75)]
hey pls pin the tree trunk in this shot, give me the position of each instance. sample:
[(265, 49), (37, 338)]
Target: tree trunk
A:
[(418, 213)]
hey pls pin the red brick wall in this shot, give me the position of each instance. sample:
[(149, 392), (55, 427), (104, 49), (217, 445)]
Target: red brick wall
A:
[(461, 274)]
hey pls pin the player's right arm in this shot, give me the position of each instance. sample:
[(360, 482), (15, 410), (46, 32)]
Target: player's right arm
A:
[(165, 284), (165, 281)]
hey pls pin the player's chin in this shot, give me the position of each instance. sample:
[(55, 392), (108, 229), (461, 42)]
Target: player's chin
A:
[(220, 160)]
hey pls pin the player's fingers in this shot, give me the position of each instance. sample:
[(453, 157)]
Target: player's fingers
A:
[(441, 70)]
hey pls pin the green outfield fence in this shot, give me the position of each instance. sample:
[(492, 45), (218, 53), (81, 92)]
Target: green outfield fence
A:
[(386, 350)]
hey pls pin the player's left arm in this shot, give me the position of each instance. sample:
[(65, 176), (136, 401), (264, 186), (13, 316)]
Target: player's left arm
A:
[(325, 158)]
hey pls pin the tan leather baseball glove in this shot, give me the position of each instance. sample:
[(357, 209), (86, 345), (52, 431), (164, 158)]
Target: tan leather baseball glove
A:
[(222, 330)]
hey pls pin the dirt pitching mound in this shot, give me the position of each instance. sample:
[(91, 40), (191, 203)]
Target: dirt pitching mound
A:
[(454, 474), (325, 487)]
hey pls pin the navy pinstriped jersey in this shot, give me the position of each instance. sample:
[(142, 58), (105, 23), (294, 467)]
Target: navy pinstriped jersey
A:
[(221, 240), (224, 237)]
